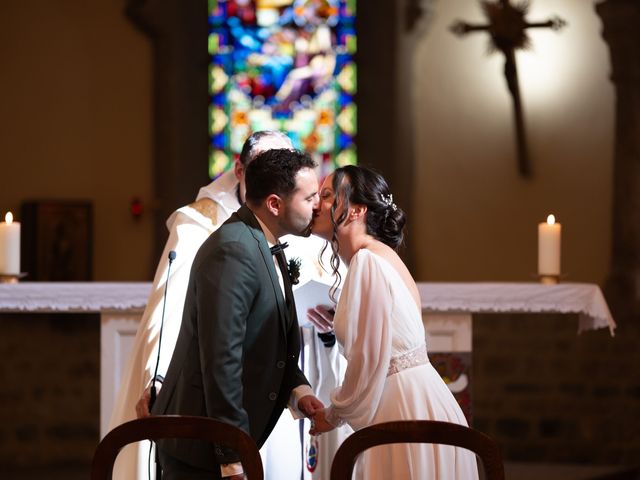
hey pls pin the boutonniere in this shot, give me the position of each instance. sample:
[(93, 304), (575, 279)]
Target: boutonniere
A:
[(294, 270)]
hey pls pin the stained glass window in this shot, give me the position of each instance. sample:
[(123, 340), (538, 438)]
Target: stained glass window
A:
[(283, 65)]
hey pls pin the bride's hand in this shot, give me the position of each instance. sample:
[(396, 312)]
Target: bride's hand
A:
[(319, 424), (321, 316)]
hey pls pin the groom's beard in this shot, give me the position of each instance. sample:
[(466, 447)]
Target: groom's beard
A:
[(307, 231), (300, 227)]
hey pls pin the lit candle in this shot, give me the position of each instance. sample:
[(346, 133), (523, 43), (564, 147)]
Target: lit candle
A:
[(549, 247), (9, 246)]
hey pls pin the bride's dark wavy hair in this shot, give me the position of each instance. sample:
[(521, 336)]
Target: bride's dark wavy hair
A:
[(385, 221)]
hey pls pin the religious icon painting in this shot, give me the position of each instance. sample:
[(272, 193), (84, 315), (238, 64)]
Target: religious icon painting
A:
[(283, 65), (57, 240)]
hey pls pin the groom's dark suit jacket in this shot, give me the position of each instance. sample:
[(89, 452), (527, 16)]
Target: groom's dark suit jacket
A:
[(236, 357)]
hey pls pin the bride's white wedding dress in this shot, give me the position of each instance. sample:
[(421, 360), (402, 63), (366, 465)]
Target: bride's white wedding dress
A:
[(389, 377)]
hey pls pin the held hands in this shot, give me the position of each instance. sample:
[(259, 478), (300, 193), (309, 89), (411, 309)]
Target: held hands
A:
[(319, 424), (321, 316), (313, 408)]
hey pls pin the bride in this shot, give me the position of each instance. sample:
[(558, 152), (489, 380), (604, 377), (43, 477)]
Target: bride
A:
[(378, 323)]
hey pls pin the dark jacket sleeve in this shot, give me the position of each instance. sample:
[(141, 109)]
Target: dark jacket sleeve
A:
[(225, 290)]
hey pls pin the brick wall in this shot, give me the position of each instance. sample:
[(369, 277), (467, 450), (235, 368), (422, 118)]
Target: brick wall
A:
[(547, 394), (49, 390), (543, 392)]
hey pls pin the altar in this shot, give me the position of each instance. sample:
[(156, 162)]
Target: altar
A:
[(447, 308)]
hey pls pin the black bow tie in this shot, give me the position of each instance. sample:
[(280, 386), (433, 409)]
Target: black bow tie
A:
[(276, 249)]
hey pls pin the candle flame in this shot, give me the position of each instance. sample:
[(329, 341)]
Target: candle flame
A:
[(8, 218), (551, 219)]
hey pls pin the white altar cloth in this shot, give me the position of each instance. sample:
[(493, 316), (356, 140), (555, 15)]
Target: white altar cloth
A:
[(585, 299), (73, 296)]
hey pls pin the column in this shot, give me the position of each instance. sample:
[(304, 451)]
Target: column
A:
[(621, 31)]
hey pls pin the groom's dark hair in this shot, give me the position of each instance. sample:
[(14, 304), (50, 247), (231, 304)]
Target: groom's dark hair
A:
[(274, 171)]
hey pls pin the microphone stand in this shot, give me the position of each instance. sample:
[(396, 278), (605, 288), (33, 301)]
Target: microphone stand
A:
[(153, 391)]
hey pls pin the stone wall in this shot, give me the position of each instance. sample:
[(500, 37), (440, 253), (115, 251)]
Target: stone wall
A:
[(49, 391)]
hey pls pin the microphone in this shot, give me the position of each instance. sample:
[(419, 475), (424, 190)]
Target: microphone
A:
[(153, 392)]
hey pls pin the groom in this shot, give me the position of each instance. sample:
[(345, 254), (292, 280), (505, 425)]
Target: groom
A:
[(236, 357)]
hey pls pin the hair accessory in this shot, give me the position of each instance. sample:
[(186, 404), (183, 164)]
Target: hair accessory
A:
[(388, 201)]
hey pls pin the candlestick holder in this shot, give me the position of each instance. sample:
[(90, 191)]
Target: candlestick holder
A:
[(549, 279), (11, 277)]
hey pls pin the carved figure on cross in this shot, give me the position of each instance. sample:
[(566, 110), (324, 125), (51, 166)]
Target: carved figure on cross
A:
[(507, 27)]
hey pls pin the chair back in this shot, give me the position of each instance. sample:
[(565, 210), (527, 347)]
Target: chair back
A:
[(175, 426), (417, 431)]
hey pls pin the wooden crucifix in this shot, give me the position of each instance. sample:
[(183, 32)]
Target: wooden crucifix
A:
[(508, 30)]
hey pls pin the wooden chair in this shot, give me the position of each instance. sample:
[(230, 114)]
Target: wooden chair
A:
[(175, 426), (417, 431)]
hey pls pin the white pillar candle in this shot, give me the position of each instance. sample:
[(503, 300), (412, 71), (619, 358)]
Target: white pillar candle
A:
[(549, 247), (9, 246)]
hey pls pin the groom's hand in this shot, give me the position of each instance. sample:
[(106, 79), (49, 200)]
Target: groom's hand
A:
[(309, 405)]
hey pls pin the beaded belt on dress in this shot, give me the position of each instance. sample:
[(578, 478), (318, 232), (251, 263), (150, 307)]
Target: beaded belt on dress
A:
[(412, 358)]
